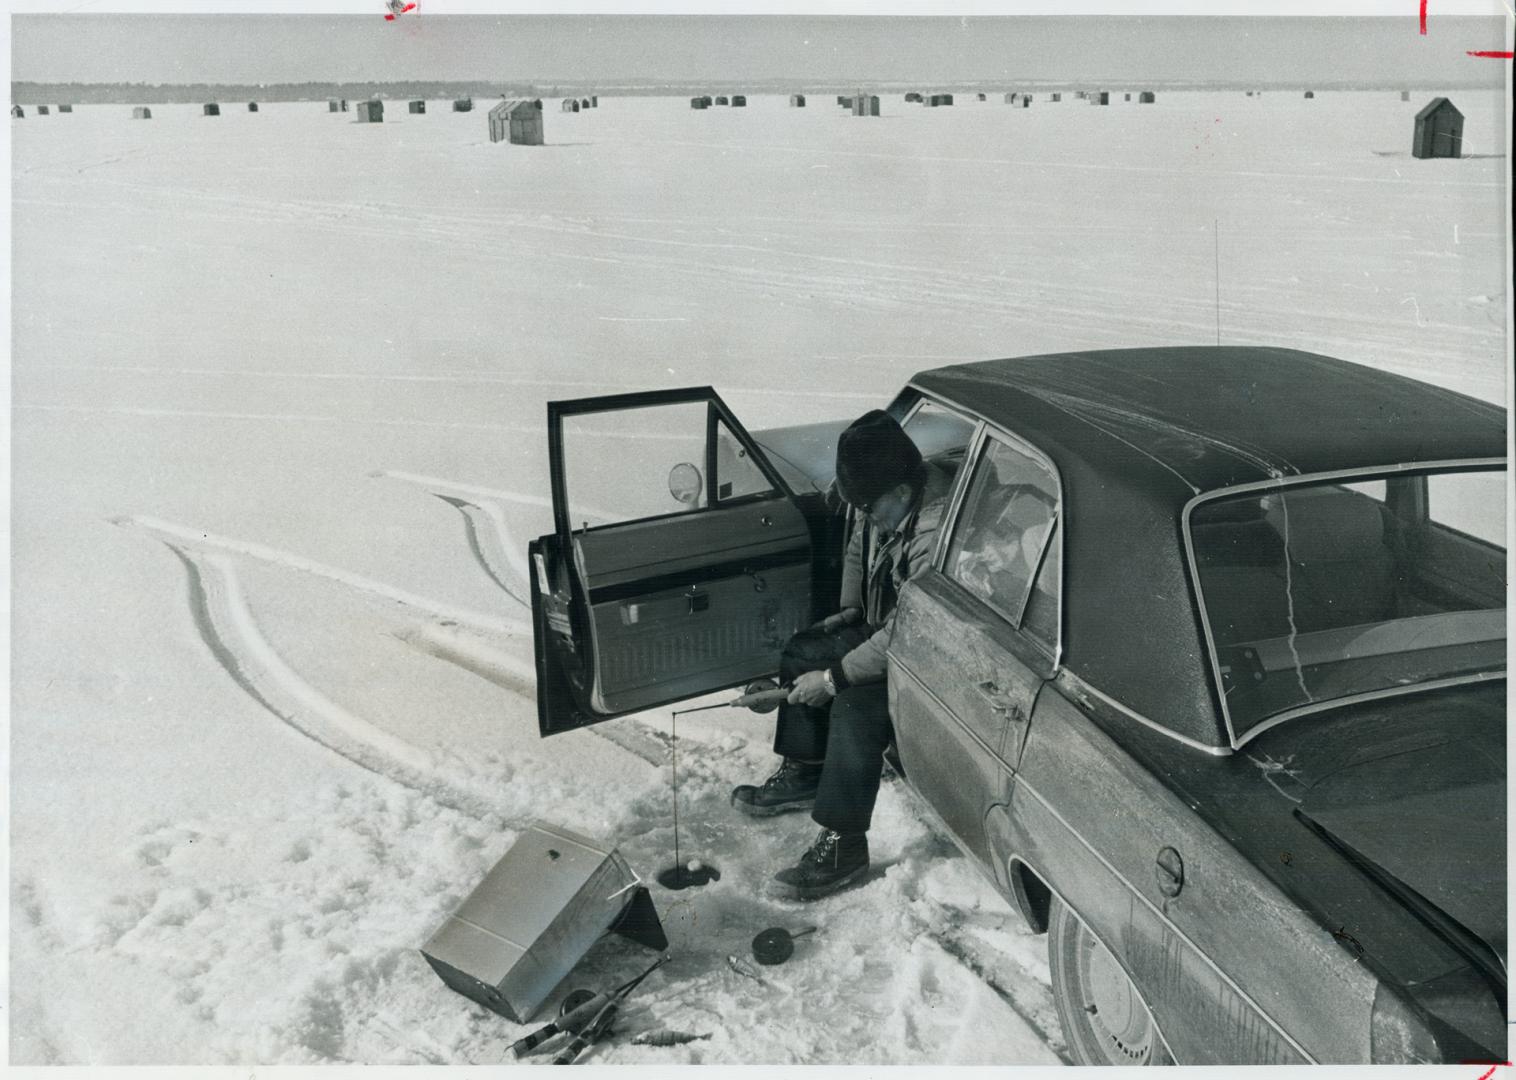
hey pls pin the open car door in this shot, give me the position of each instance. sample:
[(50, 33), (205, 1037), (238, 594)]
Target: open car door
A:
[(680, 562)]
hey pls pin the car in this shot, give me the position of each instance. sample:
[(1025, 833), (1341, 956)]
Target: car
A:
[(1207, 674)]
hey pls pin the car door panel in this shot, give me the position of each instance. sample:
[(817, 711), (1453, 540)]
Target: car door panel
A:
[(639, 613), (961, 702)]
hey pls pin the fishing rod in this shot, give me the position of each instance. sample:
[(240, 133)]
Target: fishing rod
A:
[(601, 1021), (582, 1018)]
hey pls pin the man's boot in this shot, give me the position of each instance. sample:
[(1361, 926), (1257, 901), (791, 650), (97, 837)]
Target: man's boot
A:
[(792, 787), (833, 861)]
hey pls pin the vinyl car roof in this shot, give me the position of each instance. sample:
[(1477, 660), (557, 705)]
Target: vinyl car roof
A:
[(1136, 433)]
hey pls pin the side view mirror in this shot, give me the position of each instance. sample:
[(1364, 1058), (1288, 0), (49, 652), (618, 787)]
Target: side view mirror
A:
[(685, 483)]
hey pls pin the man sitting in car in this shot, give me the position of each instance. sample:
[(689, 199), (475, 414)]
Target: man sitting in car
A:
[(835, 726)]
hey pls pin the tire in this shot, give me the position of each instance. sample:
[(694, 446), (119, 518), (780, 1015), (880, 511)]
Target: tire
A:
[(1105, 1021)]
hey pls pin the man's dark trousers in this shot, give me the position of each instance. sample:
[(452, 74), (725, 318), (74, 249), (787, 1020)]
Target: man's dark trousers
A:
[(850, 734)]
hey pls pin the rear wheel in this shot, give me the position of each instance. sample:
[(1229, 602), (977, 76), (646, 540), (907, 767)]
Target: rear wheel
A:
[(1104, 1019)]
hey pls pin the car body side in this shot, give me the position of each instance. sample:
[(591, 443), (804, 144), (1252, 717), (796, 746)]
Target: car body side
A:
[(1273, 948)]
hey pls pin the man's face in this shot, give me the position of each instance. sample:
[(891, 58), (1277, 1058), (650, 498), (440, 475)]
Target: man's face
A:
[(889, 510)]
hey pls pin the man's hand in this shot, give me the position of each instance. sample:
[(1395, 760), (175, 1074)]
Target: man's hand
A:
[(810, 689), (845, 617)]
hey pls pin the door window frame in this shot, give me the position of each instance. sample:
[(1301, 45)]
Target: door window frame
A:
[(978, 448), (716, 409)]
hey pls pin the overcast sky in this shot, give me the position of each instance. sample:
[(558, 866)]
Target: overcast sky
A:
[(523, 47)]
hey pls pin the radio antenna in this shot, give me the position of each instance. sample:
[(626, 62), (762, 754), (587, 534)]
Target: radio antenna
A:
[(1216, 233)]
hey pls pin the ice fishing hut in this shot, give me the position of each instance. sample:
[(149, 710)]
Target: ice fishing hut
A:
[(417, 107), (65, 108), (463, 105), (1310, 93), (913, 96), (569, 105), (866, 105), (1439, 131), (797, 101), (721, 99), (18, 113), (1146, 98), (939, 99), (594, 101), (1126, 97), (1405, 95), (739, 101), (1100, 97), (332, 106), (518, 121), (1026, 101), (142, 112), (844, 101), (370, 112), (983, 98), (699, 103), (42, 110), (343, 103), (584, 103), (1055, 97)]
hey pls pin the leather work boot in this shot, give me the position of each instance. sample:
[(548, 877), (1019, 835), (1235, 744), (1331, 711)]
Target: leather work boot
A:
[(792, 787), (833, 861)]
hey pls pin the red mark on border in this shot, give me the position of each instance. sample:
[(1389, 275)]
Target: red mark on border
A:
[(399, 8), (1423, 18), (1492, 1064), (1491, 53)]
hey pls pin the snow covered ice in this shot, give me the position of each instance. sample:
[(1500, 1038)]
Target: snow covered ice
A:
[(278, 425)]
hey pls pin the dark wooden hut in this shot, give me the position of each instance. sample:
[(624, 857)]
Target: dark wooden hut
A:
[(866, 105), (417, 107), (739, 101), (1055, 97), (1100, 97), (584, 103), (940, 99), (65, 108), (1439, 131), (142, 112), (18, 113), (700, 103), (913, 96), (983, 98), (42, 110), (370, 112), (1405, 95), (252, 106), (844, 101), (1310, 93), (797, 101), (1026, 101), (463, 104), (211, 109), (594, 101), (721, 99), (518, 121), (1147, 97)]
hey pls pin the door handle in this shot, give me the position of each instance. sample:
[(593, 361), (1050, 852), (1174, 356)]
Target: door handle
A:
[(1000, 703), (699, 601)]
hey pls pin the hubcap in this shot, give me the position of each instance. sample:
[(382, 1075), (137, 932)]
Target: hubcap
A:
[(1117, 1015)]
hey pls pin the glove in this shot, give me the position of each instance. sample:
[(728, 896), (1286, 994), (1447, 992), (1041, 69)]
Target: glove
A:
[(845, 617)]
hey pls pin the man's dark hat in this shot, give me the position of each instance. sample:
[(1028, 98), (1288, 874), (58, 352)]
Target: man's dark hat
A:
[(873, 455)]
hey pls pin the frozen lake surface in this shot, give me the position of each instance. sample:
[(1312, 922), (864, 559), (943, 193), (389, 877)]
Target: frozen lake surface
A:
[(278, 446)]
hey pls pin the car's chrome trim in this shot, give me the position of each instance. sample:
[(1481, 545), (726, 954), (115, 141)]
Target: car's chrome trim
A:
[(1371, 695), (985, 430), (1091, 930), (1278, 483), (1084, 687), (1023, 784)]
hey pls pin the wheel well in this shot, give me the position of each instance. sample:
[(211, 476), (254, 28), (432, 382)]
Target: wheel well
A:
[(1033, 897)]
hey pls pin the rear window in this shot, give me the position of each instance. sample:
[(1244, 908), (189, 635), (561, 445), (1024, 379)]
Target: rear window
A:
[(1323, 591)]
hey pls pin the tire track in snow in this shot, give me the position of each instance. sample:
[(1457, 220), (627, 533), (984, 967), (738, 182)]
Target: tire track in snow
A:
[(447, 643), (490, 534), (195, 540), (225, 623)]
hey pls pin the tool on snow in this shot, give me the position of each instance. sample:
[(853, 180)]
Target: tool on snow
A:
[(601, 1021), (581, 1016), (776, 944)]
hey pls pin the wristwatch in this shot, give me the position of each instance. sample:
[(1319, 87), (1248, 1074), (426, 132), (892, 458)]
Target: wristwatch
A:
[(831, 683)]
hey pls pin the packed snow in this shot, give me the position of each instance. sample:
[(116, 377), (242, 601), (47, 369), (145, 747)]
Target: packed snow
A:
[(278, 423)]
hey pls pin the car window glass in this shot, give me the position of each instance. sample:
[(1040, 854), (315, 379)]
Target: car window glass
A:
[(1041, 618), (737, 475), (1470, 503), (1007, 520), (937, 431), (616, 464)]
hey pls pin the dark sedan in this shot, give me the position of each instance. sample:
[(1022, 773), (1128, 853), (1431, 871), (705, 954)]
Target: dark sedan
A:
[(1208, 674)]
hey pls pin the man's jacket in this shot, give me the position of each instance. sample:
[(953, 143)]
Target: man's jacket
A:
[(878, 566)]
